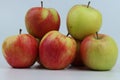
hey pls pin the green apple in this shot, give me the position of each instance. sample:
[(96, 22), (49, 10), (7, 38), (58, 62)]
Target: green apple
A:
[(99, 52), (83, 20)]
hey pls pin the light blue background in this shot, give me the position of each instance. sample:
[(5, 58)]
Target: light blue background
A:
[(12, 14)]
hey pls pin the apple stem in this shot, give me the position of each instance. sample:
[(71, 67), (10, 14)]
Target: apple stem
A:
[(41, 3), (88, 4), (97, 35), (20, 31), (67, 34)]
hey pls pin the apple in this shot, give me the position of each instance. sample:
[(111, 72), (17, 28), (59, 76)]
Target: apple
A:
[(77, 60), (20, 51), (40, 20), (99, 52), (83, 20), (56, 50)]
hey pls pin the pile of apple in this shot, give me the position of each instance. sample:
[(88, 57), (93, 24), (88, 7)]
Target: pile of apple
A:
[(82, 46)]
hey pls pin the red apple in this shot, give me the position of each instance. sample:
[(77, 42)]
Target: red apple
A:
[(56, 50), (40, 20), (99, 52), (20, 51), (78, 59)]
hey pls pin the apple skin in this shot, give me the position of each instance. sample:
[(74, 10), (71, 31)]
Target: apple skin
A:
[(83, 21), (20, 51), (56, 50), (39, 21), (99, 53), (78, 59)]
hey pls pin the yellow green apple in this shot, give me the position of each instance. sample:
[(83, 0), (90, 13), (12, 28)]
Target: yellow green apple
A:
[(83, 20), (99, 52)]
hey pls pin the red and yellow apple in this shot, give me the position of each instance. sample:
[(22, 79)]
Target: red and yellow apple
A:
[(83, 20), (77, 60), (40, 20), (20, 51), (99, 52), (56, 50)]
